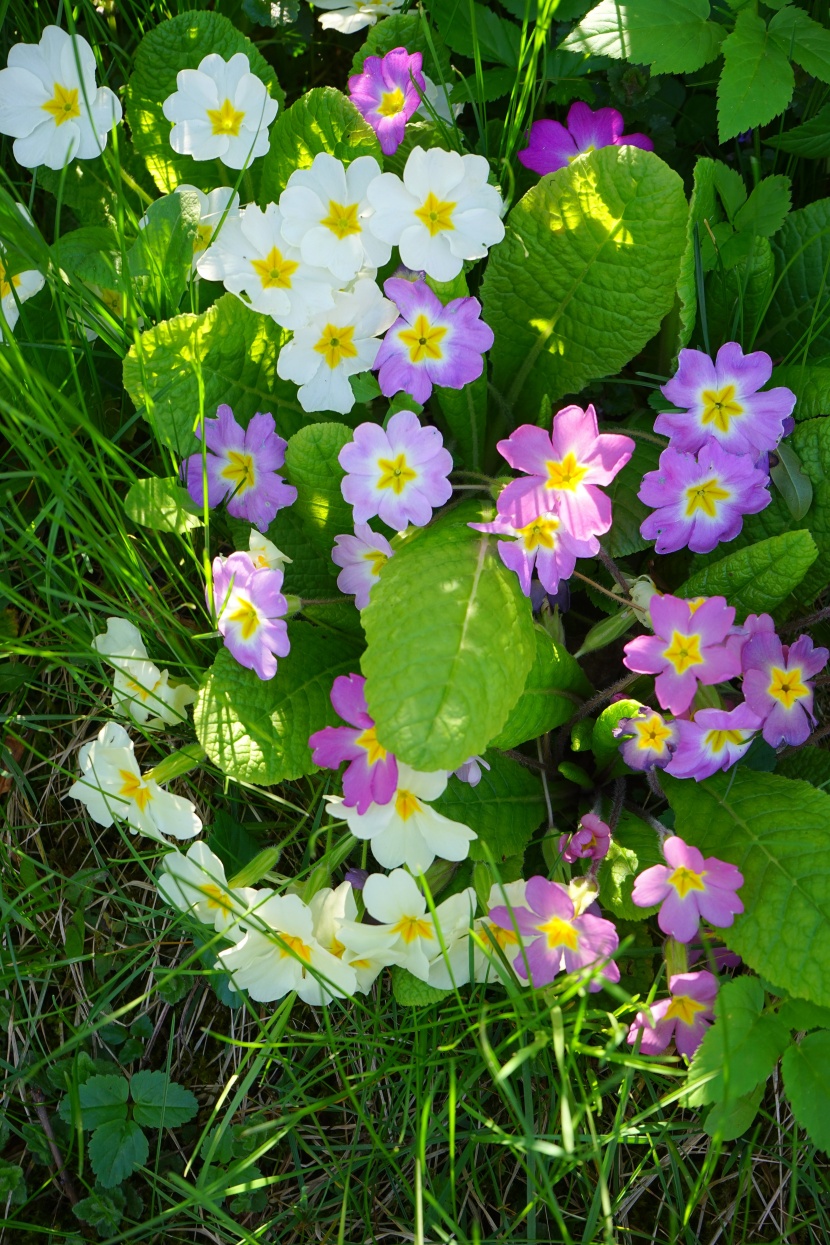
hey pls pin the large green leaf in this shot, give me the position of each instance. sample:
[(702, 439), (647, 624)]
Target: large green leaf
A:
[(758, 578), (805, 1080), (101, 1099), (469, 27), (257, 730), (554, 690), (777, 832), (504, 808), (810, 763), (737, 298), (673, 36), (181, 43), (805, 41), (182, 369), (797, 325), (160, 1102), (740, 1049), (810, 382), (162, 505), (585, 274), (812, 139), (465, 412), (160, 259), (321, 120), (116, 1149), (450, 644), (757, 81), (312, 467)]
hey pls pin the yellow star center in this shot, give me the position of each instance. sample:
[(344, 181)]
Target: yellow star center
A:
[(719, 406), (376, 559), (141, 692), (240, 471), (336, 344), (216, 898), (786, 686), (541, 532), (652, 734), (201, 240), (716, 741), (412, 927), (369, 741), (406, 804), (296, 945), (435, 214), (342, 219), (246, 616), (559, 933), (226, 120), (422, 340), (684, 1008), (63, 106), (683, 652), (395, 474), (705, 496), (6, 282), (566, 474), (504, 937), (684, 880), (391, 102), (274, 272), (133, 788)]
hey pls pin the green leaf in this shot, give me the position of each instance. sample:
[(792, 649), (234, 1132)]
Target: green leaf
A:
[(311, 466), (440, 679), (758, 578), (729, 1120), (805, 1082), (737, 298), (12, 1183), (607, 631), (161, 257), (629, 512), (730, 187), (757, 80), (493, 84), (410, 991), (115, 1150), (406, 30), (810, 382), (740, 1049), (673, 36), (634, 847), (605, 747), (256, 869), (810, 140), (798, 321), (73, 942), (777, 832), (553, 691), (504, 808), (793, 485), (160, 1102), (163, 505), (183, 368), (182, 43), (465, 413), (465, 26), (104, 1211), (800, 1015), (585, 274), (702, 207), (802, 40), (321, 120), (257, 730), (765, 209), (810, 763), (102, 1100)]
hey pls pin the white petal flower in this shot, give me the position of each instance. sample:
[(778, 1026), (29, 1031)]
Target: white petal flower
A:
[(196, 883), (111, 785), (347, 16), (221, 111), (50, 104), (140, 689), (266, 554), (253, 260), (442, 213), (436, 94), (16, 287), (334, 913), (324, 210), (215, 208), (488, 967), (335, 345)]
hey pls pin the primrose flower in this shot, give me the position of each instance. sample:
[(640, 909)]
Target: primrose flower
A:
[(688, 647), (648, 740), (335, 916), (700, 502), (324, 210), (361, 557), (777, 685), (556, 939), (240, 465), (470, 771), (250, 609), (399, 474), (335, 345), (387, 92), (721, 400), (565, 469), (371, 776), (430, 343), (685, 1016), (15, 287), (111, 785), (715, 739), (689, 888), (220, 111), (264, 553), (406, 830), (195, 882), (348, 16), (442, 213), (553, 146), (50, 104), (491, 935), (590, 840), (537, 540), (140, 688)]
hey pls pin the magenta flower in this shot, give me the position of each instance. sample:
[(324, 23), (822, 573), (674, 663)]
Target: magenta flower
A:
[(685, 1016), (553, 146), (590, 840), (371, 776), (777, 685), (430, 343), (648, 740), (700, 502), (250, 610), (688, 647), (399, 474), (715, 739), (555, 939), (241, 465), (721, 401), (539, 541), (689, 888), (387, 92), (564, 470), (361, 557)]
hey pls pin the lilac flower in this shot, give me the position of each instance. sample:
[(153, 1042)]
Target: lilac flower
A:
[(470, 771), (399, 474), (537, 540), (555, 938), (241, 465), (699, 502), (430, 343), (715, 739), (648, 740), (688, 647), (777, 685), (590, 840), (386, 94), (689, 888), (361, 557), (553, 146), (371, 776), (250, 609), (721, 401), (685, 1016)]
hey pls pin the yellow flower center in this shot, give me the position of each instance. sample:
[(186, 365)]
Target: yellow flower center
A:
[(141, 692), (247, 616), (342, 219), (391, 103), (504, 937), (201, 240), (132, 788), (684, 880), (566, 474), (412, 927), (422, 340), (226, 120), (216, 898), (377, 560), (6, 283), (369, 741), (705, 497), (274, 272), (683, 652), (63, 106), (240, 470), (719, 406), (559, 933), (336, 344), (436, 214), (787, 687), (541, 532), (296, 945), (652, 734), (684, 1008), (406, 804), (717, 740), (395, 474)]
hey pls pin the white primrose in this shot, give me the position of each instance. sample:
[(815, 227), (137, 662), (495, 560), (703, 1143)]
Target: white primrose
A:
[(348, 16), (335, 916), (264, 553), (220, 111), (195, 882), (140, 690), (15, 288)]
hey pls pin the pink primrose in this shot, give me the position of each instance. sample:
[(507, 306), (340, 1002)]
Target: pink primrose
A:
[(400, 474), (553, 146), (685, 1016), (689, 888), (371, 776), (387, 92), (777, 685), (250, 610)]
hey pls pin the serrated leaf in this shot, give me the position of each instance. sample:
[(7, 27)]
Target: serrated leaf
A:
[(585, 274), (793, 485), (162, 505), (12, 1183), (257, 730), (160, 1102), (800, 1015), (798, 319), (810, 763), (730, 187), (805, 41), (322, 120), (406, 30), (115, 1150), (702, 207), (504, 808), (629, 512), (731, 1119), (102, 1099), (554, 689), (605, 747), (633, 848), (756, 579), (810, 140), (740, 1049), (805, 1082), (311, 466), (673, 36), (465, 413), (765, 209), (757, 81), (410, 991), (104, 1211), (440, 680)]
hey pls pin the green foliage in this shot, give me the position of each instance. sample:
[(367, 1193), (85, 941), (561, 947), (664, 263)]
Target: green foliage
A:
[(764, 211), (116, 1149), (12, 1183), (792, 482), (321, 120), (465, 412), (160, 1103), (161, 257), (702, 207), (410, 991), (552, 693), (103, 1210), (672, 36), (311, 466), (757, 80), (810, 763), (406, 30), (465, 27), (810, 382), (811, 140), (737, 296), (603, 742), (629, 512), (633, 848), (758, 578), (805, 1067), (798, 320), (504, 808), (163, 505)]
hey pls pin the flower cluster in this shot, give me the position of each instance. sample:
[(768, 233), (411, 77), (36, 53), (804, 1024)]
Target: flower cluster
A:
[(140, 690)]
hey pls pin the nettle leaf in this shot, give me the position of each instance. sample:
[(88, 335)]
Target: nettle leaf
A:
[(406, 30), (184, 368), (182, 43), (586, 272), (757, 81), (161, 257), (633, 848), (798, 321), (257, 730), (162, 505), (115, 1150), (756, 579), (311, 466), (805, 1081), (410, 991), (321, 120), (673, 36), (450, 643), (804, 40), (102, 1099), (777, 832), (553, 691), (765, 209), (740, 1049), (504, 808), (160, 1102)]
